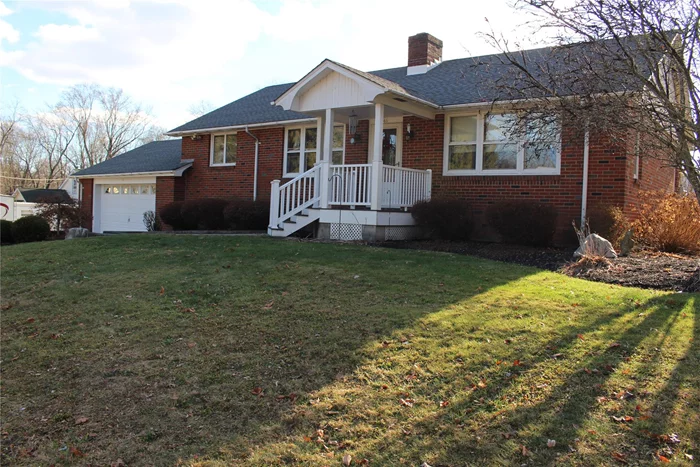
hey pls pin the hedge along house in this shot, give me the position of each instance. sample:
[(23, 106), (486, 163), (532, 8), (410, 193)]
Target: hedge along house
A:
[(349, 152)]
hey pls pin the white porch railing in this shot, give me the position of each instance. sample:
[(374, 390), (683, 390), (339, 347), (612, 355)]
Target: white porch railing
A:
[(350, 185), (288, 200), (402, 187)]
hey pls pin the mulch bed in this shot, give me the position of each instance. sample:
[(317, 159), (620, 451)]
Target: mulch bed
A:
[(641, 269)]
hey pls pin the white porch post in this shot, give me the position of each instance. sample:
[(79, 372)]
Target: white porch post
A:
[(325, 143), (274, 203), (377, 166)]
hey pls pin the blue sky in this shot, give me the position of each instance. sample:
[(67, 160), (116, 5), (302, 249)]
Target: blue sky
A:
[(170, 55)]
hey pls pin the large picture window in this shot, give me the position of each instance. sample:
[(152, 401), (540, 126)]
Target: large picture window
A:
[(224, 149), (501, 144), (301, 148)]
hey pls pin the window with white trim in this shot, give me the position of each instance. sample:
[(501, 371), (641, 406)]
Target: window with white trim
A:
[(224, 149), (501, 144), (301, 148)]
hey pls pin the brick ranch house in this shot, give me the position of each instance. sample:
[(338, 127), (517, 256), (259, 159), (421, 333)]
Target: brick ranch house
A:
[(349, 152)]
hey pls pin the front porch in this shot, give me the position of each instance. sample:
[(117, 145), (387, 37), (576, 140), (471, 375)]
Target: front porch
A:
[(364, 200)]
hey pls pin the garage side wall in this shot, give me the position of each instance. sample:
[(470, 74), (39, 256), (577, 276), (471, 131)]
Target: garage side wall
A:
[(88, 201), (168, 189)]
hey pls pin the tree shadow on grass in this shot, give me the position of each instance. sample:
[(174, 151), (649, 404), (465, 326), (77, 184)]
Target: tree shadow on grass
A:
[(219, 360), (491, 425)]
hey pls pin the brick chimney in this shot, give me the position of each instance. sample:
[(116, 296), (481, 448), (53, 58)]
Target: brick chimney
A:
[(424, 51)]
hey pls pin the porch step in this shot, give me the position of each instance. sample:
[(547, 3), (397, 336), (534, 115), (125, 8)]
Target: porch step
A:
[(295, 223)]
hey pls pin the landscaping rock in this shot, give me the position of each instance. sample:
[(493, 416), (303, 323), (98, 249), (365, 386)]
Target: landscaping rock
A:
[(77, 232), (595, 245)]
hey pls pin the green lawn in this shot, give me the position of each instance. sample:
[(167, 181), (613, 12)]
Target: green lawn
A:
[(210, 350)]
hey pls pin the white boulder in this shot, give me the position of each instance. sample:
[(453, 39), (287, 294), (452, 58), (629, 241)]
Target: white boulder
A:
[(77, 232), (595, 245)]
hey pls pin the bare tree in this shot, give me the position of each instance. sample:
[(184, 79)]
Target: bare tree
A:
[(107, 123), (54, 132), (625, 68), (200, 108), (124, 122), (9, 134)]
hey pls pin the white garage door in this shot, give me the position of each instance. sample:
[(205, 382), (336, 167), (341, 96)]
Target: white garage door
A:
[(122, 207)]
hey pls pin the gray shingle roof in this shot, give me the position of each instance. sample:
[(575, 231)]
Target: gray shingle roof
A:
[(158, 156), (40, 195), (452, 82), (251, 109)]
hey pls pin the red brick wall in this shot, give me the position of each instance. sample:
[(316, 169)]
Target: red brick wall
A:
[(654, 175), (87, 201), (610, 166), (357, 153), (203, 181)]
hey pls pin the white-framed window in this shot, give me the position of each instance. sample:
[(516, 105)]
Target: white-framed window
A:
[(130, 189), (224, 149), (500, 144), (301, 148)]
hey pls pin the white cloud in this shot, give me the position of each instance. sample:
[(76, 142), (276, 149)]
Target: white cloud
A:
[(66, 34), (173, 53), (7, 31)]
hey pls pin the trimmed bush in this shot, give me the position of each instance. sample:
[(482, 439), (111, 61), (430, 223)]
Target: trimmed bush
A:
[(171, 215), (523, 222), (204, 214), (665, 222), (444, 218), (6, 231), (601, 221), (243, 214), (30, 229)]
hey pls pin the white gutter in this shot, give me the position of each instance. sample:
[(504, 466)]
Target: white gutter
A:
[(165, 173), (584, 190), (239, 127), (255, 167)]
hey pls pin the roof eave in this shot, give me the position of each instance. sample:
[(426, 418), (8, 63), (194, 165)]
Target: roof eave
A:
[(161, 173)]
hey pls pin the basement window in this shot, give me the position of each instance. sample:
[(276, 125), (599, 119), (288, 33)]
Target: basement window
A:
[(224, 149)]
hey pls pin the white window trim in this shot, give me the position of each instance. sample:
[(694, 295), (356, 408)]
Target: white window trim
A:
[(479, 170), (302, 147), (211, 149)]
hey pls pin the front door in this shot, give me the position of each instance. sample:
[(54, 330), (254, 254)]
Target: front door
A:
[(390, 153), (391, 143)]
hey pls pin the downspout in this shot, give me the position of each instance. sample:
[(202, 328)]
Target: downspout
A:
[(255, 167), (584, 190)]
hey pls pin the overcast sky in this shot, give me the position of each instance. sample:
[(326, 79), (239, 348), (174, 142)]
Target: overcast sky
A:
[(170, 55)]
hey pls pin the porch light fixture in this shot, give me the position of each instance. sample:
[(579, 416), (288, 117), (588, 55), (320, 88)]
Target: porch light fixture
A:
[(352, 123), (409, 134)]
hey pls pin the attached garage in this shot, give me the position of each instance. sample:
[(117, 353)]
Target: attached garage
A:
[(122, 206), (120, 190)]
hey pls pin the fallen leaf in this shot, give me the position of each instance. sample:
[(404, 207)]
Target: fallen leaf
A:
[(81, 420), (347, 459), (307, 439), (118, 463), (508, 341), (407, 402), (191, 344), (187, 310), (516, 363), (524, 451), (75, 452), (580, 336), (444, 404), (30, 320), (269, 305), (162, 291), (551, 443), (619, 457), (257, 392), (664, 459)]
